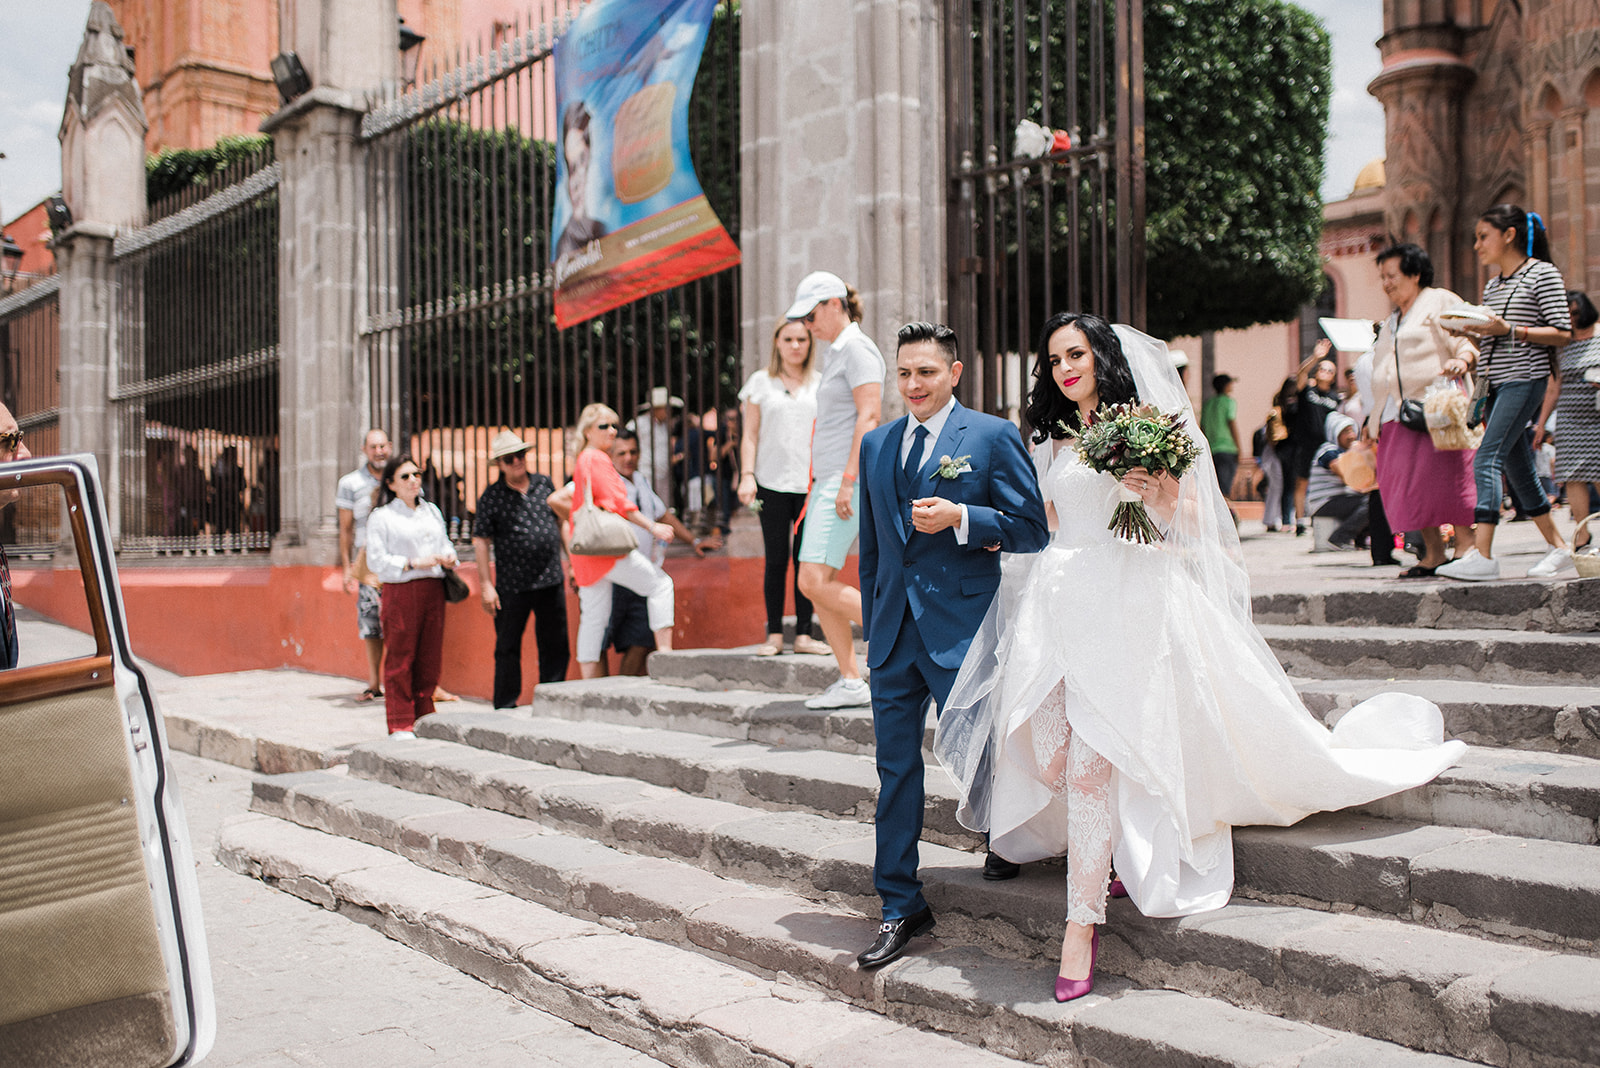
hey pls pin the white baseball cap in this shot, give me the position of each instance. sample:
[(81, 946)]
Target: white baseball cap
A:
[(815, 288)]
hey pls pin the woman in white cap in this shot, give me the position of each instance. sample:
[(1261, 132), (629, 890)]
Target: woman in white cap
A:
[(848, 398)]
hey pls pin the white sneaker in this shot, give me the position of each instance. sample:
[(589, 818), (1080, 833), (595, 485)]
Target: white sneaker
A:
[(1473, 567), (843, 693), (402, 734), (1555, 561)]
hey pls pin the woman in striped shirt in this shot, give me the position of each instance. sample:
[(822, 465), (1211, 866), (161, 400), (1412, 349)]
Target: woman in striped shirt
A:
[(1528, 321)]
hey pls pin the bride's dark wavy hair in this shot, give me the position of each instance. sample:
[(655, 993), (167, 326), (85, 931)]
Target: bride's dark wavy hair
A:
[(1049, 411)]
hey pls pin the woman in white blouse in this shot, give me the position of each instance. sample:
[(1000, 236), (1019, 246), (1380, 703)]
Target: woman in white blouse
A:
[(780, 411), (409, 550)]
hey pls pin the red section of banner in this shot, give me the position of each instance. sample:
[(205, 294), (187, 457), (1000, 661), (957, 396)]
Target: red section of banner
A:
[(696, 256)]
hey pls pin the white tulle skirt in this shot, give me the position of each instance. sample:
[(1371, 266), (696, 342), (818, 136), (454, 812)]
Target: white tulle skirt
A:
[(1202, 726)]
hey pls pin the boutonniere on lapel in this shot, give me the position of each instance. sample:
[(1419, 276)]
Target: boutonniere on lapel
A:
[(949, 468)]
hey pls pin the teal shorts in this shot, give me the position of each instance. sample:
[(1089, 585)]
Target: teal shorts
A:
[(827, 538)]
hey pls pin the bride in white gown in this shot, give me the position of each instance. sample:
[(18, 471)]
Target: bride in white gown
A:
[(1118, 700)]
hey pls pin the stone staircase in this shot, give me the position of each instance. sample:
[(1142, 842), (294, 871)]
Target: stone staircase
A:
[(683, 863)]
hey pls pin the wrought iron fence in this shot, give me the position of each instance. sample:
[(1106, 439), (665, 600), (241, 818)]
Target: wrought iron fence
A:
[(30, 387), (196, 377), (1030, 235), (459, 329)]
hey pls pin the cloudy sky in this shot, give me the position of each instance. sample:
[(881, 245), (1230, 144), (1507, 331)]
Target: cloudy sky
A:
[(45, 37)]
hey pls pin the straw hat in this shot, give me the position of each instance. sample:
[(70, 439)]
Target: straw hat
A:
[(661, 397), (506, 443)]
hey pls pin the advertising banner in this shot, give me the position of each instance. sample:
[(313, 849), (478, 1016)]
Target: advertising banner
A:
[(630, 217)]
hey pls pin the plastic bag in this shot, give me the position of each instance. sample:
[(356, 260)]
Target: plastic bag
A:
[(1446, 404)]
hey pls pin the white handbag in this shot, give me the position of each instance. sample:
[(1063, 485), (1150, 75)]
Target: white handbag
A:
[(597, 532)]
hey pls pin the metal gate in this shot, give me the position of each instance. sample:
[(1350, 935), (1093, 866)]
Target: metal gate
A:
[(30, 387), (1033, 235), (459, 331)]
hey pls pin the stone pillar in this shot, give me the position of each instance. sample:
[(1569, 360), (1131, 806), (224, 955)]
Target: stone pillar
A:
[(102, 181), (1577, 259), (842, 160), (1421, 86), (349, 49)]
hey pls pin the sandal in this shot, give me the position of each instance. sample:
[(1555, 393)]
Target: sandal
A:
[(771, 647), (369, 694), (441, 695), (1417, 571), (805, 643)]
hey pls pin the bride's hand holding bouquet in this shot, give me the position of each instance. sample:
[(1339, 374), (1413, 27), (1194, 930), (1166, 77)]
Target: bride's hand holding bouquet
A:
[(1148, 450)]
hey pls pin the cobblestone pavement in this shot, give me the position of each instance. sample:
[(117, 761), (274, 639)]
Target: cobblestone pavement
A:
[(300, 987)]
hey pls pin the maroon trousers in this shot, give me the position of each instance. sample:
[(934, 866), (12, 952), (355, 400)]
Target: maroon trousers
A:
[(413, 647)]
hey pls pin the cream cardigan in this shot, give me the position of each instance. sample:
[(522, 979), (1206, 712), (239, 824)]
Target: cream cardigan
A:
[(1424, 348)]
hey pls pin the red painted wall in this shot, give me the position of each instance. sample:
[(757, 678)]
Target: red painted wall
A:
[(199, 621)]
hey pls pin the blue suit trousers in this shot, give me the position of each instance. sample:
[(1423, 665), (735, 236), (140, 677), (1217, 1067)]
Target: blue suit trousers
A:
[(902, 686)]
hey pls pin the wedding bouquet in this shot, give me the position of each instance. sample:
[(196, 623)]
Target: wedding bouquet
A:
[(1121, 437)]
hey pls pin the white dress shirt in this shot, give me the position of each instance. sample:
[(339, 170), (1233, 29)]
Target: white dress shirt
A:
[(935, 426), (397, 535)]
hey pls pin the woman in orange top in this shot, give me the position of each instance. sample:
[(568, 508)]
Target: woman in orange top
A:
[(595, 575)]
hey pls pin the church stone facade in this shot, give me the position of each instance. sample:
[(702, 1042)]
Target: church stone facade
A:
[(1489, 101)]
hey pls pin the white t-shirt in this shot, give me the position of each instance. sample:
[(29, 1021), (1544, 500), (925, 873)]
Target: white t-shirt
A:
[(783, 448), (354, 495), (850, 362)]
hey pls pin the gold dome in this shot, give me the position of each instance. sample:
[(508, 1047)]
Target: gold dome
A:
[(1370, 177)]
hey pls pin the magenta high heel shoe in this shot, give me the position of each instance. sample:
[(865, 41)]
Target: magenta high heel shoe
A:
[(1116, 889), (1072, 989)]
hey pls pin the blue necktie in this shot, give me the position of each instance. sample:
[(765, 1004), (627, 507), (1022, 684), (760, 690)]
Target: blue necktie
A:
[(914, 458)]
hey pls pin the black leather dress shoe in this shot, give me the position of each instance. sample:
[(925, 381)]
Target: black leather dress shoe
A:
[(997, 868), (894, 936)]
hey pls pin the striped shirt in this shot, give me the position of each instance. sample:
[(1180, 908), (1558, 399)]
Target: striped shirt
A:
[(1533, 295)]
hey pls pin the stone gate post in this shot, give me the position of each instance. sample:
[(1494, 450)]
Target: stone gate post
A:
[(842, 160), (102, 181), (348, 50)]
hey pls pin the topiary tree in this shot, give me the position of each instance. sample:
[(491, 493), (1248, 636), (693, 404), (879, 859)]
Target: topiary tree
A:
[(1236, 113)]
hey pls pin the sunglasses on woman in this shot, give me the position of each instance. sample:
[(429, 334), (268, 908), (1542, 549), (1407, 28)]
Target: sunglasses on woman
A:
[(11, 441), (407, 476), (605, 426)]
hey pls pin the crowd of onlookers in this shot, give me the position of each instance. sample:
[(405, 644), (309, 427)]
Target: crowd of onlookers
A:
[(1453, 411), (1455, 414)]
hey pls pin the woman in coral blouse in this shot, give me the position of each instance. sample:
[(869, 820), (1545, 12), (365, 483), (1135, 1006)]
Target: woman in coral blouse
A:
[(595, 575)]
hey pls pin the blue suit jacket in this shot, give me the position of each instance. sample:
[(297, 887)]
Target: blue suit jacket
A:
[(946, 586)]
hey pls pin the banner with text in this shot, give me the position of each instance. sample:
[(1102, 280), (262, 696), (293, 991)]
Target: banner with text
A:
[(630, 217)]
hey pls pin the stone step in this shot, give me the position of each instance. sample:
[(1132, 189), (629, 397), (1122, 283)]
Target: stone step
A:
[(1548, 796), (1531, 794), (1441, 876), (1556, 607), (1324, 652), (1552, 718), (773, 717), (963, 981), (727, 669), (675, 1002)]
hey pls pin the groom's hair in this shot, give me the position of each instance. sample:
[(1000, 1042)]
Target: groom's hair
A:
[(942, 336)]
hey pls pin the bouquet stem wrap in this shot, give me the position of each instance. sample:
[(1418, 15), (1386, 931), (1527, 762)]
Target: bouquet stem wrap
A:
[(1131, 521)]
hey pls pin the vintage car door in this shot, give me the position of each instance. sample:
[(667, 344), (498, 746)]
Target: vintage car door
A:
[(102, 954)]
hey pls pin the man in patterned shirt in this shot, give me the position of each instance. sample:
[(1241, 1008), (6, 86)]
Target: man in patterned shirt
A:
[(353, 503), (524, 575)]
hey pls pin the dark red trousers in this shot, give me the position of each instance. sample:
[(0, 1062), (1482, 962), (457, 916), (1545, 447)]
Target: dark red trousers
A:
[(413, 646)]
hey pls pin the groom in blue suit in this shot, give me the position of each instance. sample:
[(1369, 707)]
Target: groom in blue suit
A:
[(943, 489)]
